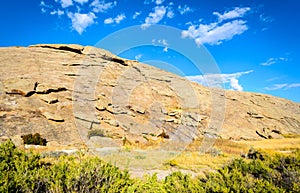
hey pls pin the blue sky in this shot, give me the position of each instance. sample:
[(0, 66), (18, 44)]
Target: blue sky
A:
[(255, 43)]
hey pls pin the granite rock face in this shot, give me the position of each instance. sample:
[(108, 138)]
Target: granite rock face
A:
[(65, 91)]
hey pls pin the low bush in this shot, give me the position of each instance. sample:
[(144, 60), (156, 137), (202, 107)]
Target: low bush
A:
[(99, 133), (35, 139), (26, 172)]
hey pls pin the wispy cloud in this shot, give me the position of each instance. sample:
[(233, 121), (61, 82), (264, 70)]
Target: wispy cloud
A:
[(57, 12), (217, 32), (283, 86), (154, 17), (158, 2), (235, 13), (170, 13), (162, 42), (117, 19), (43, 10), (217, 80), (184, 9), (66, 3), (45, 7), (81, 1), (102, 6), (265, 19), (138, 57), (136, 14), (81, 21), (273, 79), (147, 2), (272, 61)]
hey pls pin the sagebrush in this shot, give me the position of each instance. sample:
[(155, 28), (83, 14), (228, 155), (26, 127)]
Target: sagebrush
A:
[(27, 172)]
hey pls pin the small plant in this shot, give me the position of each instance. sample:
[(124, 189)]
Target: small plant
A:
[(255, 154), (99, 133), (35, 139), (140, 157), (215, 152), (172, 163)]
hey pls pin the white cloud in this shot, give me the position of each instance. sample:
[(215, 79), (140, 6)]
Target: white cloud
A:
[(154, 17), (66, 3), (271, 61), (81, 21), (43, 4), (136, 14), (58, 12), (184, 9), (161, 42), (215, 33), (45, 7), (217, 80), (102, 6), (234, 83), (138, 57), (109, 21), (81, 1), (43, 10), (158, 2), (265, 19), (237, 12), (284, 86), (170, 13), (294, 85), (117, 19)]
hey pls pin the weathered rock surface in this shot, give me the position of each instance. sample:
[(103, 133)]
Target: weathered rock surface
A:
[(64, 91)]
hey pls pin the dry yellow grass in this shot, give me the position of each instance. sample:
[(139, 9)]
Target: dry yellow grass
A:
[(198, 163), (229, 150), (276, 145), (151, 158)]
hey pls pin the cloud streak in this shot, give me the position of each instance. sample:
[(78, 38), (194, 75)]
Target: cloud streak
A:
[(117, 19), (154, 17), (66, 3), (272, 61), (284, 86), (81, 1), (102, 6), (218, 80), (235, 13), (57, 12), (136, 14)]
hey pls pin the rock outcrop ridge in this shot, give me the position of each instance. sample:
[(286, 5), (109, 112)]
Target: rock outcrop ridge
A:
[(64, 92)]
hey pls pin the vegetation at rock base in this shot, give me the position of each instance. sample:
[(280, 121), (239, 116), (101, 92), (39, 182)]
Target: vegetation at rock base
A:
[(99, 133), (28, 172), (34, 139)]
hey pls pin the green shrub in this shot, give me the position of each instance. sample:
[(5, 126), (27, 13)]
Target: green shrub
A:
[(149, 184), (26, 172), (99, 133), (261, 173), (19, 171), (178, 182), (35, 139)]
